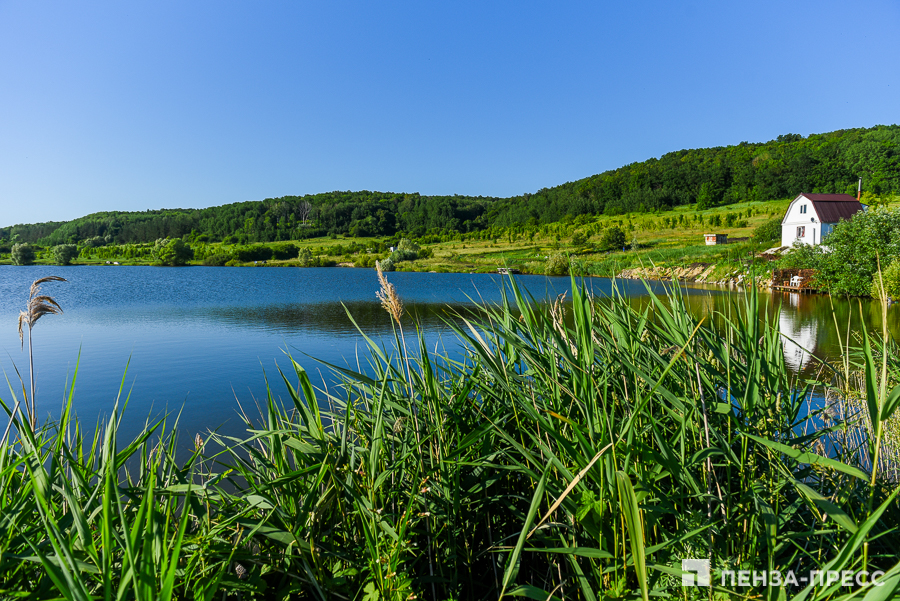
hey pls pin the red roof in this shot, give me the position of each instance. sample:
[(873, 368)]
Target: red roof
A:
[(831, 208)]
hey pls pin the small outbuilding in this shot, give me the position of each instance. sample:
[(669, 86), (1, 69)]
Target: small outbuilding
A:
[(714, 239), (811, 217)]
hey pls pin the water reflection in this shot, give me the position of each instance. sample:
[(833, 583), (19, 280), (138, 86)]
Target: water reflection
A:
[(799, 331)]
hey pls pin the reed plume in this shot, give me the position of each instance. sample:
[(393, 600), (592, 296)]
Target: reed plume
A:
[(388, 296), (38, 306)]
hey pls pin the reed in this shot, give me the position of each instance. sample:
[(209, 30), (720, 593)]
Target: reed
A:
[(578, 454)]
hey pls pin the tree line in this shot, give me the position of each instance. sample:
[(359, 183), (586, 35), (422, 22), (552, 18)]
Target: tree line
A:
[(708, 177)]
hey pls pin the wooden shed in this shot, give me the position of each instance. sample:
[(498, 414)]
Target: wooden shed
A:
[(713, 239)]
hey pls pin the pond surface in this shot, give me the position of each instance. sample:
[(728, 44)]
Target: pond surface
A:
[(199, 339)]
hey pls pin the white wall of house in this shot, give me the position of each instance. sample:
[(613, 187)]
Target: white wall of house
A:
[(801, 223)]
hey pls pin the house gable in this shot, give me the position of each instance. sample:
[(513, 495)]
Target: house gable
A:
[(810, 217)]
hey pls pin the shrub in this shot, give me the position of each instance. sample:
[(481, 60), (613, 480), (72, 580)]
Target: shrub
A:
[(172, 251), (557, 264), (233, 263), (400, 255), (849, 263), (284, 251), (216, 260), (407, 244), (22, 254), (64, 253), (579, 239), (613, 237), (257, 252), (305, 256), (768, 232), (386, 264), (891, 279)]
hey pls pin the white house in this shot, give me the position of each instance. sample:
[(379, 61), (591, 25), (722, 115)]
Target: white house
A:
[(811, 217)]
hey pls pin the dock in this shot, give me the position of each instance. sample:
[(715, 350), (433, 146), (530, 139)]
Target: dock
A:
[(794, 280)]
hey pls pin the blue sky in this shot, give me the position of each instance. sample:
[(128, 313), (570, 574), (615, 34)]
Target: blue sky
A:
[(145, 105)]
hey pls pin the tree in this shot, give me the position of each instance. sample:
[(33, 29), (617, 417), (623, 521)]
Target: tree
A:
[(557, 264), (22, 254), (770, 231), (172, 251), (613, 237), (64, 253), (853, 250), (303, 211)]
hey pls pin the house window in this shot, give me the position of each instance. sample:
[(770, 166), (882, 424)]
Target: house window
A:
[(801, 231), (803, 208)]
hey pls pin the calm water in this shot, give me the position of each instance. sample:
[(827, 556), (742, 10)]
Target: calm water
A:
[(200, 338)]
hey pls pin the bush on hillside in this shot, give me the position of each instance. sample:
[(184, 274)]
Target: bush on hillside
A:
[(304, 256), (401, 255), (557, 264), (171, 251), (216, 260), (768, 232), (64, 253), (407, 244), (613, 238), (22, 254), (386, 264), (284, 251), (257, 252)]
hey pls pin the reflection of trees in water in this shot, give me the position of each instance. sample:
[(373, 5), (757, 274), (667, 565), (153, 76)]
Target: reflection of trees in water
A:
[(331, 318), (807, 321)]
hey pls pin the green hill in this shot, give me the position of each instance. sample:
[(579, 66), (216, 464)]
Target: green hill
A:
[(829, 162)]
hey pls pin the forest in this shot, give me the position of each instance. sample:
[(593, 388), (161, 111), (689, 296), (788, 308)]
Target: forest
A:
[(709, 177)]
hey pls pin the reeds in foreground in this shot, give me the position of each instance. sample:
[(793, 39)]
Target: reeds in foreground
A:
[(581, 459), (38, 305)]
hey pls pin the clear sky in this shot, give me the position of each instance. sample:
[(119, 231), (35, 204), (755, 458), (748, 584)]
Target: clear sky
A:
[(145, 105)]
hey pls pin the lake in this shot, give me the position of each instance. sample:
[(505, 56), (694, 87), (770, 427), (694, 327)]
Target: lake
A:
[(199, 339)]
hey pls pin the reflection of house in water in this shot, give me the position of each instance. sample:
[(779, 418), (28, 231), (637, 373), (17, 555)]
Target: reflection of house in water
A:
[(799, 335)]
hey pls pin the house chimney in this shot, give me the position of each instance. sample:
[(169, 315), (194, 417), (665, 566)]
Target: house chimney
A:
[(859, 190)]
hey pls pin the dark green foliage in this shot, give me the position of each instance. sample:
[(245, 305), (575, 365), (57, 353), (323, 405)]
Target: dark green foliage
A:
[(284, 251), (22, 254), (856, 247), (257, 252), (768, 232), (780, 168), (64, 253), (172, 252), (613, 238), (579, 239), (217, 260)]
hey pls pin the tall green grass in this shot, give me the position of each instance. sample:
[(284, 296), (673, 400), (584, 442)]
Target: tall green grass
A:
[(563, 456)]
